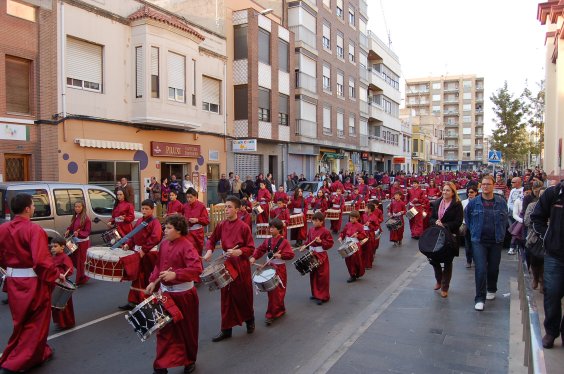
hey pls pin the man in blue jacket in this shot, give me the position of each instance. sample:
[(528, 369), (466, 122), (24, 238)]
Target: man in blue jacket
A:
[(486, 219), (548, 223)]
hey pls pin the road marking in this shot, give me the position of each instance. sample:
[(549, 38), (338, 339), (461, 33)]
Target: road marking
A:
[(76, 328), (324, 360)]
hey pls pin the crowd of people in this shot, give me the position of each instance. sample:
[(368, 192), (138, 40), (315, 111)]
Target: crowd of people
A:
[(172, 263)]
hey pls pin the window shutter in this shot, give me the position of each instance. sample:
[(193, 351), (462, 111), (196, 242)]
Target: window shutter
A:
[(176, 71), (84, 61), (308, 66), (139, 72), (340, 120), (326, 31), (339, 40), (309, 21), (308, 111), (340, 79), (210, 90), (283, 102), (155, 61), (326, 71), (327, 117)]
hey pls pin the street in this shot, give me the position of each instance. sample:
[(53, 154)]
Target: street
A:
[(300, 341)]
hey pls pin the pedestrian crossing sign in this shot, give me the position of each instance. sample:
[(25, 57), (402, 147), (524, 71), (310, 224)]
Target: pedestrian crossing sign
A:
[(494, 156)]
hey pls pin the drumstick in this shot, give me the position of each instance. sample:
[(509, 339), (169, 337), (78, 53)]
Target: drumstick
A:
[(305, 246), (66, 272)]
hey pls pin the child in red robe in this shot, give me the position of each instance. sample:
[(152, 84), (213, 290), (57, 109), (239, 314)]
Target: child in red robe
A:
[(354, 231), (397, 210), (63, 318), (322, 242)]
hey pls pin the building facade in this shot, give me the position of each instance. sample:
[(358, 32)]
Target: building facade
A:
[(459, 102), (427, 139)]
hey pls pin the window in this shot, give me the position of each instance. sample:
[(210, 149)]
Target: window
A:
[(436, 108), (340, 84), (437, 86), (339, 11), (264, 46), (340, 48), (467, 107), (23, 11), (467, 131), (241, 102), (40, 199), (176, 77), (194, 82), (240, 42), (340, 123), (326, 35), (327, 3), (466, 119), (65, 199), (436, 97), (326, 77), (155, 73), (351, 52), (264, 104), (211, 89), (352, 128), (352, 90), (101, 201), (327, 120), (467, 96), (139, 72), (283, 109), (84, 65), (467, 84), (283, 51), (351, 16), (18, 85)]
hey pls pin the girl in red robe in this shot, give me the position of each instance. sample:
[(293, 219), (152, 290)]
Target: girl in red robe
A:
[(322, 242), (278, 250), (298, 206), (122, 215), (397, 210), (280, 194), (80, 227), (319, 203), (263, 197), (354, 230), (372, 228), (63, 318), (177, 267), (337, 202)]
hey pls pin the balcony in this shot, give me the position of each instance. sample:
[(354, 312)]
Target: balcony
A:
[(451, 89), (364, 107), (417, 155), (363, 8), (479, 99), (479, 88), (363, 41), (327, 131), (363, 73), (450, 113), (305, 36), (479, 134), (306, 128), (306, 82), (451, 146), (478, 146), (340, 133), (451, 135), (416, 92), (479, 124), (451, 124)]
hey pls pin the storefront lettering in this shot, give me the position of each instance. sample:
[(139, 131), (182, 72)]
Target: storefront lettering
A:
[(175, 150)]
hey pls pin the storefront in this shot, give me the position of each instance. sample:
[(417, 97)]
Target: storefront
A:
[(302, 160), (329, 160)]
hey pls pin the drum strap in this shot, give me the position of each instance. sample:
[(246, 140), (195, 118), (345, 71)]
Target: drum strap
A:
[(277, 244), (137, 228)]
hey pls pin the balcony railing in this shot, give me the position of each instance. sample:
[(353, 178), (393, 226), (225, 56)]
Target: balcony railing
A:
[(306, 128), (304, 35), (364, 107), (451, 89), (451, 146), (327, 131), (454, 124), (478, 146), (306, 82), (363, 41), (451, 135)]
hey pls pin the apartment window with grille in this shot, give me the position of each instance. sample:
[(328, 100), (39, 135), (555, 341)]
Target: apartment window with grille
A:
[(241, 102), (18, 85), (351, 52), (339, 10), (340, 84), (84, 65), (139, 72), (283, 109), (340, 123), (326, 35), (240, 42), (264, 104), (283, 51), (352, 125), (264, 46), (327, 120), (340, 48), (351, 16), (155, 73), (176, 77), (352, 89), (211, 89), (326, 77)]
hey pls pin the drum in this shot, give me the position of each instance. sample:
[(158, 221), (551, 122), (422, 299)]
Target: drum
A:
[(216, 277), (332, 214), (111, 236), (2, 278), (263, 231), (258, 209), (266, 279), (62, 292), (362, 207), (307, 263), (70, 246), (103, 263), (385, 187), (148, 317), (411, 213), (296, 220), (394, 223), (309, 215), (377, 234), (348, 207), (348, 248)]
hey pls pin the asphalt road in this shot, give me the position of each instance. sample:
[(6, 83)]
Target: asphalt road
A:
[(301, 341)]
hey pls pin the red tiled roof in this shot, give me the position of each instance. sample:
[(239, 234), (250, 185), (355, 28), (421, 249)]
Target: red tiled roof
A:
[(148, 12)]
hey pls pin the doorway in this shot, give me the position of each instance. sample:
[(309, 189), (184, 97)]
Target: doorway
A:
[(16, 167), (170, 168)]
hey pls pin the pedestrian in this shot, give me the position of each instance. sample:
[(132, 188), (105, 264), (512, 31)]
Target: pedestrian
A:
[(486, 218), (534, 248), (80, 228), (321, 241), (175, 185), (223, 188), (396, 210), (197, 217), (264, 197), (290, 183), (447, 213), (548, 220), (236, 186), (165, 190), (372, 222), (353, 232), (471, 192), (122, 214), (177, 267), (278, 250), (416, 199), (62, 318), (24, 253), (186, 184), (282, 213), (515, 194), (249, 186), (238, 245), (154, 191), (128, 191)]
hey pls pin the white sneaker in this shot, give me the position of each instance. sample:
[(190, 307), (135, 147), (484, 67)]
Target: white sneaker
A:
[(479, 306), (511, 251), (490, 295)]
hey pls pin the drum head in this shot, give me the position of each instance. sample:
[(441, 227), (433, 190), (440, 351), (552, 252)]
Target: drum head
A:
[(267, 273), (212, 269)]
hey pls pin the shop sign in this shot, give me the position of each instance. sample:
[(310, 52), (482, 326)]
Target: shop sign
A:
[(245, 145), (364, 155), (398, 160), (330, 155), (174, 150)]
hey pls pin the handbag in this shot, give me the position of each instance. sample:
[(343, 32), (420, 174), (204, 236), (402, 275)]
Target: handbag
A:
[(436, 243), (534, 245)]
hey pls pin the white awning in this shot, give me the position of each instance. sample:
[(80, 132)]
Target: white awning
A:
[(108, 144)]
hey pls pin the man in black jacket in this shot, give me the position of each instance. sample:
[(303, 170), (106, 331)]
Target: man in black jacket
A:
[(548, 223)]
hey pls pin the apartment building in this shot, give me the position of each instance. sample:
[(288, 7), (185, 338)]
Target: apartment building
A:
[(28, 137), (550, 13), (141, 93), (427, 138), (459, 102)]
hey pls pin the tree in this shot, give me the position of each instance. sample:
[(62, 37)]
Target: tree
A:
[(510, 135), (535, 116)]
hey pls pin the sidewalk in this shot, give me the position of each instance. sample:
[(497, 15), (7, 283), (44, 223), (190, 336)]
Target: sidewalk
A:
[(420, 332)]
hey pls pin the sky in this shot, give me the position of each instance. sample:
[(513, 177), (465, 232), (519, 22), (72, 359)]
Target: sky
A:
[(500, 40)]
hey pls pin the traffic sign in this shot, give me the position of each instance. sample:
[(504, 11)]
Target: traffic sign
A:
[(494, 157)]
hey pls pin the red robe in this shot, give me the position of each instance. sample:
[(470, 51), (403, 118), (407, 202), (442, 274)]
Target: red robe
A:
[(123, 209), (177, 342), (246, 217), (263, 197), (364, 191), (282, 214), (417, 198), (337, 202), (174, 207), (337, 185), (64, 318), (397, 207), (372, 221), (24, 245), (196, 235), (319, 204), (319, 277), (79, 256), (299, 233), (348, 186), (281, 195), (276, 307), (354, 263), (147, 238), (236, 297)]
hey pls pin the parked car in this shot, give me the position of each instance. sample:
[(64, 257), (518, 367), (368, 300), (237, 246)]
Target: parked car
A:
[(307, 187), (54, 205)]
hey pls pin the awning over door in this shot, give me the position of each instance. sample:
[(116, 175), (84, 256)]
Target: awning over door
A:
[(108, 144)]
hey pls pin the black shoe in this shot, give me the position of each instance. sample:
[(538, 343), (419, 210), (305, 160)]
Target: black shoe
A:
[(160, 371), (312, 298), (224, 334), (5, 301), (548, 341), (319, 302), (351, 279), (415, 237), (268, 321), (128, 306), (6, 371), (250, 326), (190, 368)]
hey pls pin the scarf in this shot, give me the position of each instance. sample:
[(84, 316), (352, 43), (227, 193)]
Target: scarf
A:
[(443, 207)]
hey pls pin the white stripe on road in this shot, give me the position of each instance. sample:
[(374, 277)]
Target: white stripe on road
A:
[(76, 328)]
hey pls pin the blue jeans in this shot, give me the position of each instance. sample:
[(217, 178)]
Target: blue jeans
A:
[(486, 263), (553, 293), (468, 247)]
